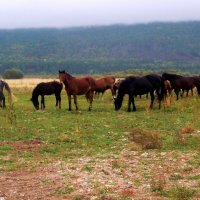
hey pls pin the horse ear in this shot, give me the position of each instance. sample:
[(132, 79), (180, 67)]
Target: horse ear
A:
[(61, 71)]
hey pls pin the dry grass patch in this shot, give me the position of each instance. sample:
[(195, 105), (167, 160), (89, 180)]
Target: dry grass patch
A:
[(146, 139)]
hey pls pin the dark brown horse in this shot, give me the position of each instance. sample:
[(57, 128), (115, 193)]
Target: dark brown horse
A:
[(138, 86), (179, 83), (48, 88), (3, 85), (104, 84), (78, 86)]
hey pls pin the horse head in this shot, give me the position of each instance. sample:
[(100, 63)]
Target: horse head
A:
[(62, 75), (35, 103), (118, 103)]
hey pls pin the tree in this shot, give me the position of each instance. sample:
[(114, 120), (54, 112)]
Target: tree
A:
[(13, 73)]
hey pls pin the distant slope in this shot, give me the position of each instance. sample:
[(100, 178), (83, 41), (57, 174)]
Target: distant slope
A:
[(154, 46)]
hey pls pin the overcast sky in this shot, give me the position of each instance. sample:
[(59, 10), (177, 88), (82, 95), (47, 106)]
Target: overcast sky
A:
[(70, 13)]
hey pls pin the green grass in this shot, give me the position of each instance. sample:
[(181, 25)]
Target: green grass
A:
[(102, 132), (180, 193)]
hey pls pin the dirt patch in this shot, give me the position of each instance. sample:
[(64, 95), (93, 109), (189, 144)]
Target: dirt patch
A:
[(127, 175), (25, 146)]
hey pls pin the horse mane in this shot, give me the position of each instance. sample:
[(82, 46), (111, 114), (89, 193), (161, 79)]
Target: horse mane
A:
[(35, 91), (64, 72)]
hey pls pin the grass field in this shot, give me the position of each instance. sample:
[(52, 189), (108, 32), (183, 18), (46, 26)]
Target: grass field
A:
[(97, 155)]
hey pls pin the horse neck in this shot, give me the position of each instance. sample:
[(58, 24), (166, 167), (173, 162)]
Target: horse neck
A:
[(68, 80), (35, 93), (120, 94)]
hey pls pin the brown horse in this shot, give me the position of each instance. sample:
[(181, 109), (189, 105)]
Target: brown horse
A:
[(78, 86), (179, 83), (104, 84)]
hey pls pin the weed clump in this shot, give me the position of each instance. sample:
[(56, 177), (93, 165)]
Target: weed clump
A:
[(182, 136), (180, 193), (146, 139)]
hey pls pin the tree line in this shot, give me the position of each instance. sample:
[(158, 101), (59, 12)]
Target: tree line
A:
[(102, 49)]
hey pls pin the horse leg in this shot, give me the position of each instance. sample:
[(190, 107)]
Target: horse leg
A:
[(129, 102), (133, 102), (59, 101), (177, 93), (75, 102), (70, 104), (42, 102), (90, 98), (152, 99)]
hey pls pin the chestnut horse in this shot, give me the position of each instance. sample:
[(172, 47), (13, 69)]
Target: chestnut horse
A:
[(104, 84), (48, 88), (78, 86)]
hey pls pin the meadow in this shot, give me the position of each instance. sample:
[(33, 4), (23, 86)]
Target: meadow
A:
[(102, 154)]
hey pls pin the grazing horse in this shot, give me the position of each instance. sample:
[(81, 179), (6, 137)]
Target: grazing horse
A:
[(48, 88), (78, 86), (179, 83), (104, 84), (2, 97), (138, 86)]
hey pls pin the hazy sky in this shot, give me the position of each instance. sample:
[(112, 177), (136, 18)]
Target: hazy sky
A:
[(67, 13)]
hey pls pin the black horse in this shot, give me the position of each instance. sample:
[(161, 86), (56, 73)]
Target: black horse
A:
[(2, 96), (178, 83), (47, 88), (138, 86)]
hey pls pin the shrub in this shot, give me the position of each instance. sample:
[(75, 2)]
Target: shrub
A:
[(13, 74), (147, 139), (180, 193)]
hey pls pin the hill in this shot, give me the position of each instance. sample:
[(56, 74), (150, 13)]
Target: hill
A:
[(103, 49)]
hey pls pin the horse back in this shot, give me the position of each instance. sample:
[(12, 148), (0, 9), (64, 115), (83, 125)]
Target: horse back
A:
[(80, 86), (104, 83)]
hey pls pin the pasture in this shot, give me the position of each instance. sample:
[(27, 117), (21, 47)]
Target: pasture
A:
[(57, 154)]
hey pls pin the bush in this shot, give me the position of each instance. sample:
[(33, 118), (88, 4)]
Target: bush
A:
[(13, 74), (146, 139)]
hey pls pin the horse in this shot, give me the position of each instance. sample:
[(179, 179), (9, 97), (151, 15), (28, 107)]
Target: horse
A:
[(179, 83), (48, 88), (104, 84), (138, 86), (3, 85), (78, 86)]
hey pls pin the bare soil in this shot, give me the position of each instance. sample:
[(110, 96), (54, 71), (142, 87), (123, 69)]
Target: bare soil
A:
[(129, 175)]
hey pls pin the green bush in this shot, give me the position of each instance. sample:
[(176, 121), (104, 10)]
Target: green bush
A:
[(13, 74)]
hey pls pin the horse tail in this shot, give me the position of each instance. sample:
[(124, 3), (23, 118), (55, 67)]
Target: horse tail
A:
[(12, 98)]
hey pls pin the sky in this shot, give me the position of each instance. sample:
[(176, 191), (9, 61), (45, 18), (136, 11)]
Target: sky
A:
[(72, 13)]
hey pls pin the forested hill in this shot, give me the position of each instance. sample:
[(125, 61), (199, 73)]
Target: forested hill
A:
[(154, 46)]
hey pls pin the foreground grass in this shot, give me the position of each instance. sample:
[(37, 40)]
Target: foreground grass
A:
[(31, 138), (100, 132)]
